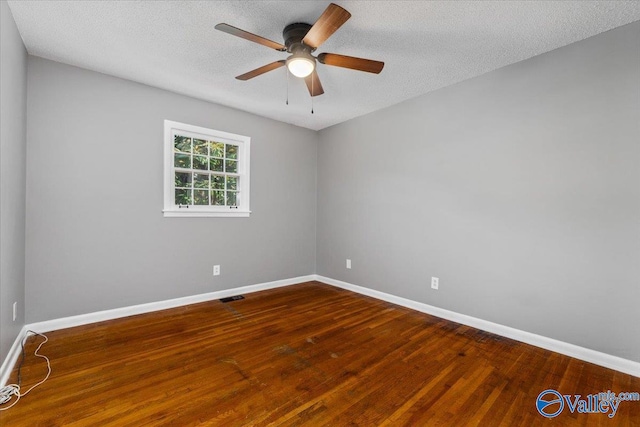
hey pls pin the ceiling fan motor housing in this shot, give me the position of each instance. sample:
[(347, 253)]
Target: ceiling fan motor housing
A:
[(293, 35)]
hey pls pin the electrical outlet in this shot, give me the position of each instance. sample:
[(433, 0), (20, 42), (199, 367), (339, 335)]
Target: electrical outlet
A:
[(435, 283), (15, 311), (216, 270), (348, 263)]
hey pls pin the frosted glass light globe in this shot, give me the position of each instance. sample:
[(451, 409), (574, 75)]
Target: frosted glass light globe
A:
[(300, 66)]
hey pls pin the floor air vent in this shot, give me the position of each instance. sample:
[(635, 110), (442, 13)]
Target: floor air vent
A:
[(233, 298)]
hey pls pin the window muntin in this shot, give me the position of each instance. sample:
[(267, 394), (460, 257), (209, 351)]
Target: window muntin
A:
[(206, 172)]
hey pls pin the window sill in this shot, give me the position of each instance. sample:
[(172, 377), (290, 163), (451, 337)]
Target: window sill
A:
[(183, 213)]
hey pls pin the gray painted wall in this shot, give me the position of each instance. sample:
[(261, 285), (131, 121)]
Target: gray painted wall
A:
[(13, 140), (96, 237), (519, 189)]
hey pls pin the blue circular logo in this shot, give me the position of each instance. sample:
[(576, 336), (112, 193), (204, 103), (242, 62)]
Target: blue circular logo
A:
[(546, 401)]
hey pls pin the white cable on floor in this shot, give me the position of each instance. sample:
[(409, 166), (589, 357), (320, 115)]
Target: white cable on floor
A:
[(10, 390)]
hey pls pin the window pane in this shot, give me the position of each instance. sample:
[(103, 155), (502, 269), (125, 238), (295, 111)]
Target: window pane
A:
[(182, 143), (200, 197), (200, 146), (183, 180), (232, 183), (200, 162), (217, 182), (232, 198), (182, 160), (231, 166), (200, 181), (232, 151), (217, 149), (217, 198), (215, 165), (183, 197)]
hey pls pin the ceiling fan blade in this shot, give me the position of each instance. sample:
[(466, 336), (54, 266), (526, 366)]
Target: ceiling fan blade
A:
[(261, 70), (313, 84), (250, 36), (361, 64), (331, 19)]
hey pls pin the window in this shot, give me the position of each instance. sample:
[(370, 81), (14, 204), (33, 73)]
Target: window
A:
[(206, 172)]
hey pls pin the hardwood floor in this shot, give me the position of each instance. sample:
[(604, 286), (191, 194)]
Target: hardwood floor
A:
[(308, 354)]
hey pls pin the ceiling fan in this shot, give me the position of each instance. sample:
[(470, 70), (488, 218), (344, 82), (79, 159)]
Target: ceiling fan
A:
[(301, 40)]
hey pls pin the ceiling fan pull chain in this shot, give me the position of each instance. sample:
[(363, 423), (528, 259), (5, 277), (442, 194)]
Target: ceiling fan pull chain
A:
[(286, 70), (312, 79)]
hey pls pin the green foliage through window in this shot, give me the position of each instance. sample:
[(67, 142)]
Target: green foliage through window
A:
[(206, 172)]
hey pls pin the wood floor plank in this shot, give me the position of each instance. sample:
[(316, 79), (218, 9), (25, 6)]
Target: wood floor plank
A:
[(308, 354)]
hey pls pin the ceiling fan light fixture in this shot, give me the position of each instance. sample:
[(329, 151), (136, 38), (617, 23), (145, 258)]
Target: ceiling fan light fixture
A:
[(301, 40), (301, 64)]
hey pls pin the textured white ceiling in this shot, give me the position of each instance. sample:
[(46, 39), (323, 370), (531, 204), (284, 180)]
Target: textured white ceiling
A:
[(425, 45)]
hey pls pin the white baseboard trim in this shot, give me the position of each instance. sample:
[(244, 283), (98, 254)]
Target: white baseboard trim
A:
[(12, 357), (116, 313), (588, 355), (608, 361)]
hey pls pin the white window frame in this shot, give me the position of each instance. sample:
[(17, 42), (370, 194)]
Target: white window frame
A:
[(172, 128)]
